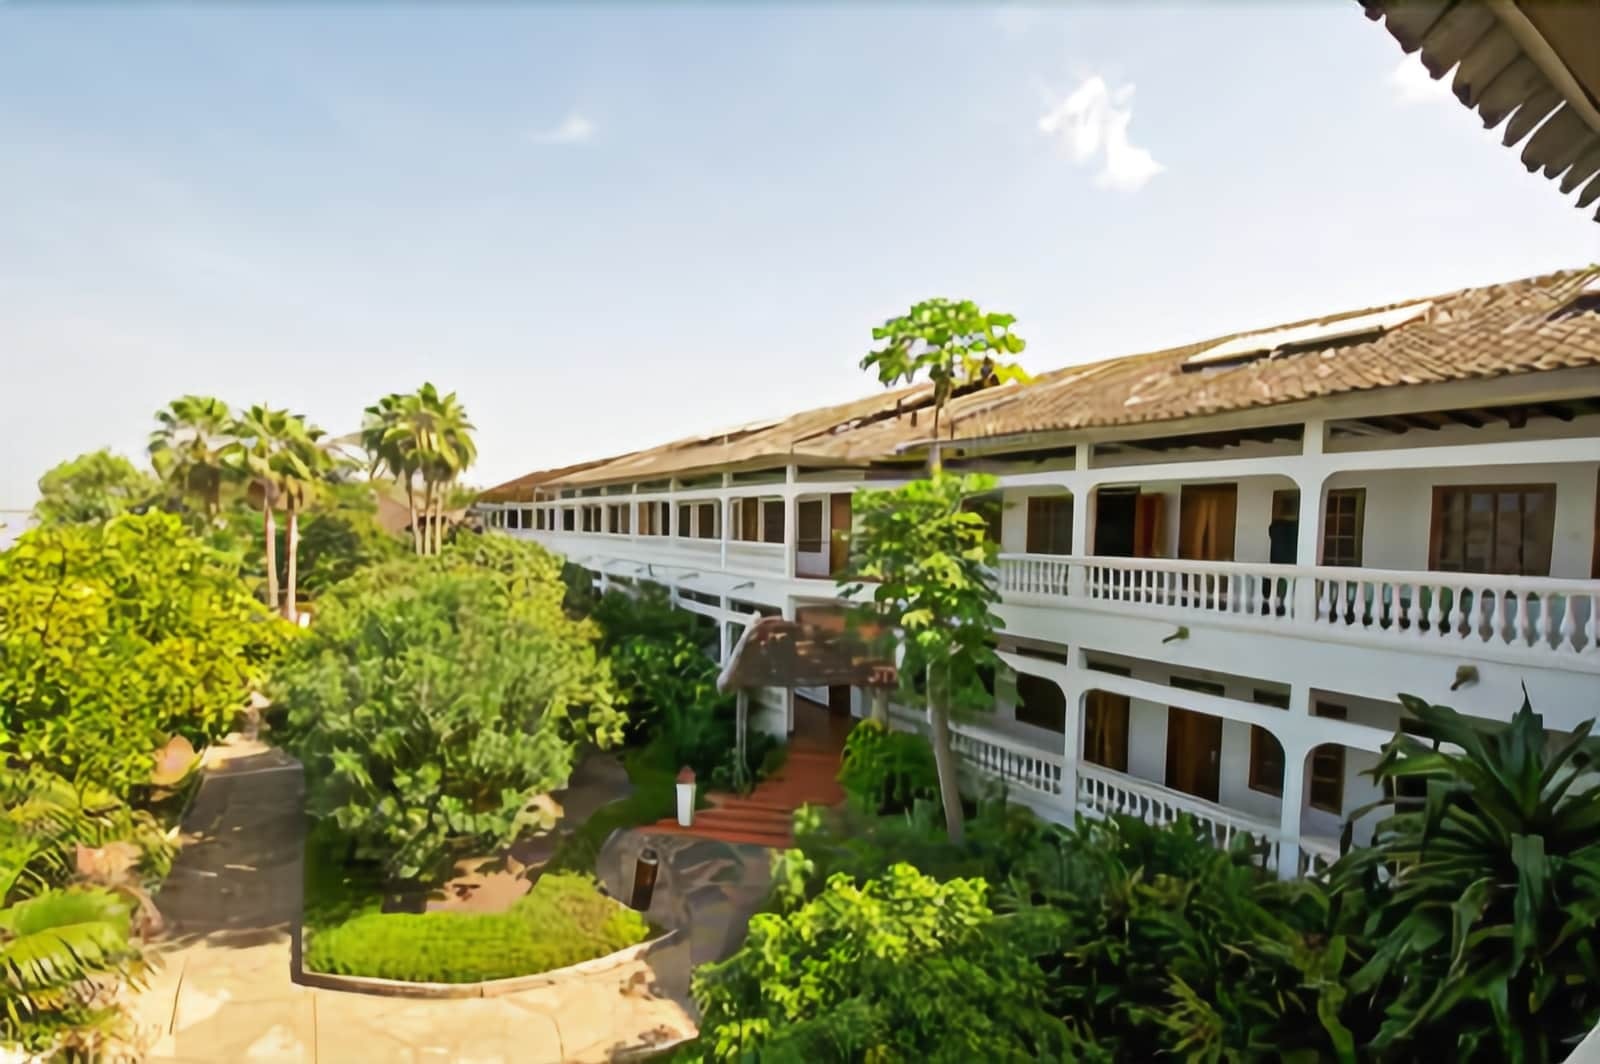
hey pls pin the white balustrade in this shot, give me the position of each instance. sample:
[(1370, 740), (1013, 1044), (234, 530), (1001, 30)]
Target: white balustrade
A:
[(1538, 614), (1013, 762), (1034, 574)]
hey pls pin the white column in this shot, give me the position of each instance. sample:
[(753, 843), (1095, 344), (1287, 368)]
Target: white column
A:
[(1310, 476), (724, 644), (1292, 738), (790, 518), (1083, 505), (1074, 687)]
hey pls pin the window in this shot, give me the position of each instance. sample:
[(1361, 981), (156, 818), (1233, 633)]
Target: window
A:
[(1041, 702), (685, 520), (772, 521), (1266, 753), (539, 519), (568, 519), (1504, 530), (1341, 526), (617, 519), (1050, 525), (1327, 767), (513, 518), (746, 520), (808, 527), (707, 528)]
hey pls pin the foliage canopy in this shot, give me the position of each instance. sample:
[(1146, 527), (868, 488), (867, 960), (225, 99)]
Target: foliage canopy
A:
[(436, 702), (114, 638)]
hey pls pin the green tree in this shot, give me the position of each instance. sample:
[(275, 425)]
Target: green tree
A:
[(435, 703), (188, 449), (93, 487), (901, 968), (1481, 900), (950, 342), (926, 565), (114, 638)]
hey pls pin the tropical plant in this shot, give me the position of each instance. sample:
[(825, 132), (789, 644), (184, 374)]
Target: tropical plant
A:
[(115, 638), (1172, 948), (929, 565), (91, 488), (953, 344), (260, 435), (422, 436), (900, 968), (1482, 899), (435, 704), (883, 770), (64, 954), (188, 449)]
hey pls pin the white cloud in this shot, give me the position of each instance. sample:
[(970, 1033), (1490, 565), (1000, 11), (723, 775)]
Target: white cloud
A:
[(1412, 83), (1092, 123), (574, 129)]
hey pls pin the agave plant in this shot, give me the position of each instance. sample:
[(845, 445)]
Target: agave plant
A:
[(1482, 900)]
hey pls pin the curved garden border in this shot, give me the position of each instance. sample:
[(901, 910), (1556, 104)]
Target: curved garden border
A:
[(366, 984)]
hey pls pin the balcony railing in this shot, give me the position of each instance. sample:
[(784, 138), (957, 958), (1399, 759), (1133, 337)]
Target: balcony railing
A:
[(1041, 775), (1536, 615)]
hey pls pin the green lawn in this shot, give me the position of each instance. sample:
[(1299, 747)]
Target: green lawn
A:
[(564, 919)]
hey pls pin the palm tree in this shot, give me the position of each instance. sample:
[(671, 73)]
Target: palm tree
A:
[(308, 462), (422, 435), (259, 437), (389, 450), (188, 445)]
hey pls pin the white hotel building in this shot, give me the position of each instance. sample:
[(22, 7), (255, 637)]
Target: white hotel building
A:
[(1220, 563)]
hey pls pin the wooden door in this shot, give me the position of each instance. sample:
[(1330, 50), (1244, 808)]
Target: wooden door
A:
[(1206, 522), (838, 533), (1194, 752)]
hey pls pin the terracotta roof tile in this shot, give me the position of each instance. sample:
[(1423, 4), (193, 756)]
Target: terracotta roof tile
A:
[(1475, 333)]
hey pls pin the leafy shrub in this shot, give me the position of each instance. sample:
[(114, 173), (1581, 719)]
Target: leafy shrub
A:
[(115, 638), (436, 701), (564, 919), (1481, 902), (885, 770), (901, 968), (340, 539), (93, 488)]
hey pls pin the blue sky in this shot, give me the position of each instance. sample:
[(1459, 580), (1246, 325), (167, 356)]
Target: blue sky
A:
[(610, 225)]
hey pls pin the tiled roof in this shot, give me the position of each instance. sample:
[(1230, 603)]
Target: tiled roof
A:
[(1476, 333)]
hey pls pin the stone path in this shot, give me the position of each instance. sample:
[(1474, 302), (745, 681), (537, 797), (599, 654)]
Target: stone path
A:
[(224, 991), (707, 888)]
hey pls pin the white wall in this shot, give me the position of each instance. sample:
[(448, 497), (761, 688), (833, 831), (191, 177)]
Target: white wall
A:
[(1399, 511)]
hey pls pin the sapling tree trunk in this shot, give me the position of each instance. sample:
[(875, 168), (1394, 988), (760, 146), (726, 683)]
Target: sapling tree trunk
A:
[(944, 761), (880, 706), (291, 608), (269, 524)]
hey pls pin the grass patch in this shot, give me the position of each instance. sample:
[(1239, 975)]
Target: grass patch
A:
[(564, 919)]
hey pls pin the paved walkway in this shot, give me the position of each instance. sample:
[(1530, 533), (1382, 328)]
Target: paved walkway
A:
[(224, 991)]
